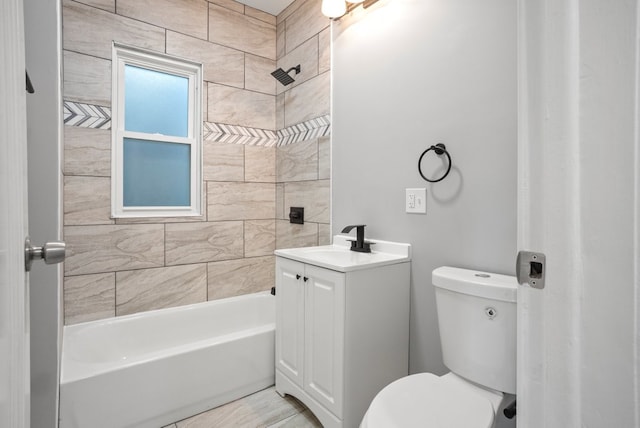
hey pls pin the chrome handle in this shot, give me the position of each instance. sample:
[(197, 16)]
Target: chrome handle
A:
[(51, 252)]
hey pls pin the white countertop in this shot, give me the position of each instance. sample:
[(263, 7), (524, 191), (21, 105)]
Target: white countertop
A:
[(340, 258)]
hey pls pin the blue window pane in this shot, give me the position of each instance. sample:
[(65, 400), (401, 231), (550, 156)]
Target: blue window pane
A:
[(156, 174), (155, 102)]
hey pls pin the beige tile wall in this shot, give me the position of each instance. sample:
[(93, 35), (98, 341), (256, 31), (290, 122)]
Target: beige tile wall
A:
[(302, 169), (124, 266)]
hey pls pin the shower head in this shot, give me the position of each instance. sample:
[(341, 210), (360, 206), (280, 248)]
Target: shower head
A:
[(283, 76)]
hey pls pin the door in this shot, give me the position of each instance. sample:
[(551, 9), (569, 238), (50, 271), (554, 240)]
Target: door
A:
[(14, 328), (324, 336), (290, 319), (579, 204)]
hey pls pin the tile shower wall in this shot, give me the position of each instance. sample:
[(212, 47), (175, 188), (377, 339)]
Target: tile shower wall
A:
[(303, 168), (265, 148)]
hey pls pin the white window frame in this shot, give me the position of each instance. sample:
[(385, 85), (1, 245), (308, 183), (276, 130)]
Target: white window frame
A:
[(126, 55)]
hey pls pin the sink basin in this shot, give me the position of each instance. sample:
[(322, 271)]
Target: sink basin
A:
[(340, 258)]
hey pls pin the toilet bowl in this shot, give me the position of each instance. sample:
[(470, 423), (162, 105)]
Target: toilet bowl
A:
[(477, 319)]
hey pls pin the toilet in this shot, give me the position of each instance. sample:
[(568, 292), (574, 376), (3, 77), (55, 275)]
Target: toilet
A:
[(477, 322)]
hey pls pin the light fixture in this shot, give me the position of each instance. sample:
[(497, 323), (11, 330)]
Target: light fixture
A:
[(335, 9)]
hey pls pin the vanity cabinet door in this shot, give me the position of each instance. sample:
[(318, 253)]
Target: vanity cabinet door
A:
[(324, 336), (290, 319)]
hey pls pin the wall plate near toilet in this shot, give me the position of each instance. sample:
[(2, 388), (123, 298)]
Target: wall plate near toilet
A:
[(416, 201)]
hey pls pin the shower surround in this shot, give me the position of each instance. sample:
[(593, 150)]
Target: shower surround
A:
[(265, 148)]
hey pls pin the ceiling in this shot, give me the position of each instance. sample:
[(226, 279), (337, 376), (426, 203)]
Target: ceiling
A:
[(274, 7)]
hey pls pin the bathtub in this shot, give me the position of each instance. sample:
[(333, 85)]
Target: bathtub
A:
[(157, 367)]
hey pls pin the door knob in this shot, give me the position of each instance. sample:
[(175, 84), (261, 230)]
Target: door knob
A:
[(51, 252)]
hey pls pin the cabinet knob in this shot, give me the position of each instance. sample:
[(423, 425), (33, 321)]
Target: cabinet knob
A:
[(297, 276), (305, 279)]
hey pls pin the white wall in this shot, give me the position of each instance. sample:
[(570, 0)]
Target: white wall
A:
[(44, 122), (408, 74)]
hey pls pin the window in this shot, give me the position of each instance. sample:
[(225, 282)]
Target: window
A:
[(156, 135)]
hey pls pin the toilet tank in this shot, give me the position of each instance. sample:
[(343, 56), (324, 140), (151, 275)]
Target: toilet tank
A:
[(477, 323)]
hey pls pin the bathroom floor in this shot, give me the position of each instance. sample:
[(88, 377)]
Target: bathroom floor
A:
[(265, 409)]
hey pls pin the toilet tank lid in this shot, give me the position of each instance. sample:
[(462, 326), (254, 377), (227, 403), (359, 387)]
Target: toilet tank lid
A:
[(476, 283)]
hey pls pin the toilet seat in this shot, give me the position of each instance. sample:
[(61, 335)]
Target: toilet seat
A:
[(428, 401)]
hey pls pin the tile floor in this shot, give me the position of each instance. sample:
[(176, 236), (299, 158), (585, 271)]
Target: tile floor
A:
[(264, 409)]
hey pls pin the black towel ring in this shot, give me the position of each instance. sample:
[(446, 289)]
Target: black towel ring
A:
[(439, 149)]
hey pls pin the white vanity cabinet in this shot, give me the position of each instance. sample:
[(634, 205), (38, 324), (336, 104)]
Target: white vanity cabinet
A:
[(309, 348), (340, 336)]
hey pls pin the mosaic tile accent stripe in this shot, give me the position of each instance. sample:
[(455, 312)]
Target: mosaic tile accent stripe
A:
[(234, 134), (94, 116), (86, 115), (305, 131)]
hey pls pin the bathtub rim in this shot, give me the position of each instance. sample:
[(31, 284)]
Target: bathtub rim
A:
[(86, 369), (155, 312)]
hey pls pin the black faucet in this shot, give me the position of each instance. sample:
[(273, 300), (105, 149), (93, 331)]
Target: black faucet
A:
[(359, 244)]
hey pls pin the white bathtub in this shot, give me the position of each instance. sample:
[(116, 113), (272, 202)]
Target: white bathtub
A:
[(154, 368)]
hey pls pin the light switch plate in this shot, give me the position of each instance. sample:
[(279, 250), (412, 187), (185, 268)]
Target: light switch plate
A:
[(416, 201)]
